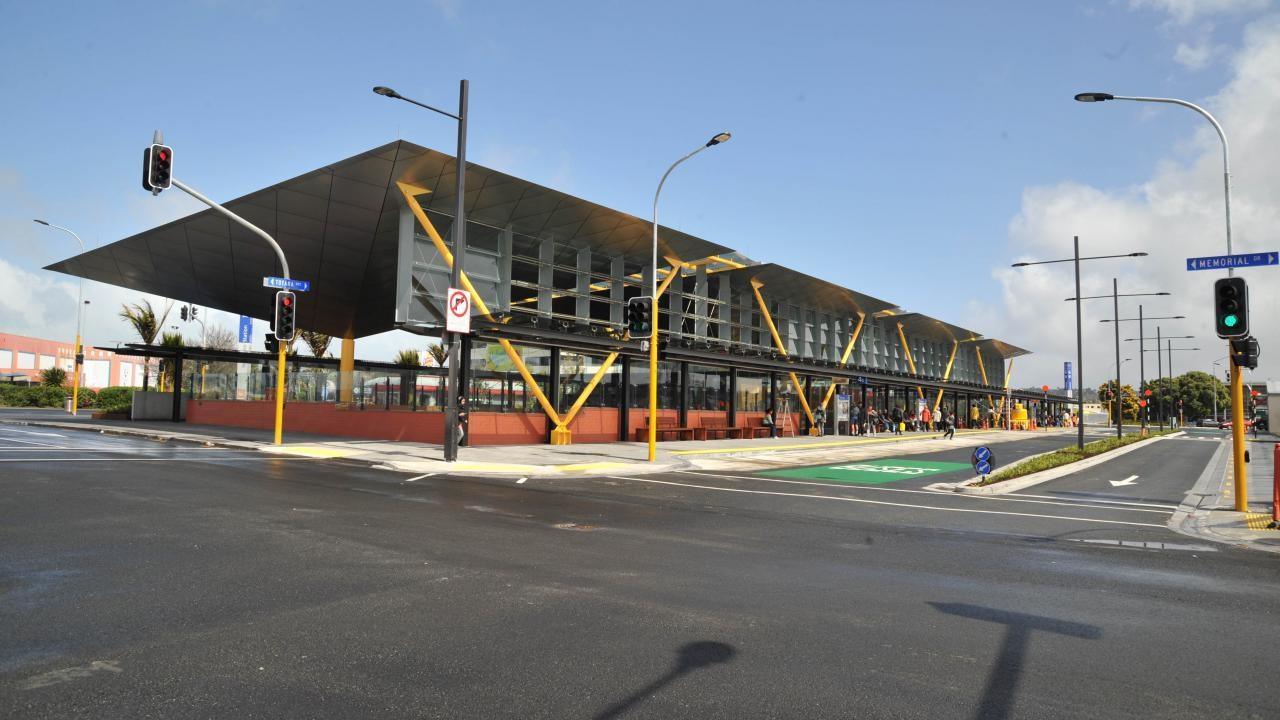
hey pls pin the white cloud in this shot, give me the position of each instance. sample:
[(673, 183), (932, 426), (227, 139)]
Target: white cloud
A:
[(1177, 213), (1185, 11), (1193, 57)]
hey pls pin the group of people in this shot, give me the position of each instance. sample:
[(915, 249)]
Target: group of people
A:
[(895, 421)]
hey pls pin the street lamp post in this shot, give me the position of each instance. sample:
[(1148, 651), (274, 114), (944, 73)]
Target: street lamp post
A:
[(451, 420), (1142, 366), (653, 288), (1159, 361), (1213, 375), (79, 355), (1075, 259), (1115, 309), (1237, 377)]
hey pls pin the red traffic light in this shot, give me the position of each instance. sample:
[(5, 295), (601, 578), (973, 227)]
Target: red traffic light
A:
[(287, 300), (1147, 393), (1044, 388), (1142, 403)]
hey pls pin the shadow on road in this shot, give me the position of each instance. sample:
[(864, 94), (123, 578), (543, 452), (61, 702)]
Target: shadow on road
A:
[(1002, 682), (693, 656)]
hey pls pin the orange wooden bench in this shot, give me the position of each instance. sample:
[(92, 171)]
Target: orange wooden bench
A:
[(668, 428)]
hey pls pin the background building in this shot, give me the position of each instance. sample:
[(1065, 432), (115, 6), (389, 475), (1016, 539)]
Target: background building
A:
[(22, 358)]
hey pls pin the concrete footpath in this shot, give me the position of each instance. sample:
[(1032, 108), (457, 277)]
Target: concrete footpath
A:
[(1208, 511), (530, 460)]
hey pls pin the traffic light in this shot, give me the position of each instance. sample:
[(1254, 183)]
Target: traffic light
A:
[(640, 315), (157, 168), (1244, 352), (1231, 307), (183, 313), (286, 306)]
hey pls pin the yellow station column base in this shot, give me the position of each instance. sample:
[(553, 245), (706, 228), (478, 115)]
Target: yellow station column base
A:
[(561, 436)]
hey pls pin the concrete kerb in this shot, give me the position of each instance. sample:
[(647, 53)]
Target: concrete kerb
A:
[(1027, 481), (145, 433), (1198, 515)]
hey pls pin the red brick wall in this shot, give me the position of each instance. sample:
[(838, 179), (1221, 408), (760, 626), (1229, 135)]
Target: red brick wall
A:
[(595, 425)]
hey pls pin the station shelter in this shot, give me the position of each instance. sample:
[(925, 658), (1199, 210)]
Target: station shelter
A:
[(550, 276)]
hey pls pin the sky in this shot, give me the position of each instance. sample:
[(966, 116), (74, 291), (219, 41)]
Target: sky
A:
[(909, 150)]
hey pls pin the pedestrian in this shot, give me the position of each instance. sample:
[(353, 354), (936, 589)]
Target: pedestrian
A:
[(951, 426), (873, 419), (855, 418), (926, 419), (897, 420), (769, 421), (819, 420)]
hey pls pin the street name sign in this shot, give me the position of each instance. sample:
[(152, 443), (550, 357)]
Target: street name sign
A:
[(458, 315), (1220, 262), (280, 283)]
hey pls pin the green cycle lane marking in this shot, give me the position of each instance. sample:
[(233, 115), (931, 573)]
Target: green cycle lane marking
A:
[(872, 472)]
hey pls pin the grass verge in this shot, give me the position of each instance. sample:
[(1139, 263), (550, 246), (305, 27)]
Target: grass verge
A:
[(1068, 455)]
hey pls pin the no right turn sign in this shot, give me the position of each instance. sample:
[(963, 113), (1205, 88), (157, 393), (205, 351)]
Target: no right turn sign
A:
[(458, 311)]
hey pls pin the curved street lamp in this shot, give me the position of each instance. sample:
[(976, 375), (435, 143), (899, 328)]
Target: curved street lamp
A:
[(75, 381), (653, 289)]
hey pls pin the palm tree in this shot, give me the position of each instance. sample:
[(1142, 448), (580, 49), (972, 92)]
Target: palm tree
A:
[(439, 353), (169, 340), (408, 356), (316, 341), (53, 377), (144, 321)]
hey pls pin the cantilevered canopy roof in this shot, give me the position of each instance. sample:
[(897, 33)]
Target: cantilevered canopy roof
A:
[(931, 327), (338, 228), (782, 283), (1003, 349)]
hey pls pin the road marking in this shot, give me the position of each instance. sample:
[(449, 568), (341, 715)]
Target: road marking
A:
[(521, 481), (31, 442), (1047, 501), (30, 432), (419, 477), (880, 502), (1127, 481), (1098, 500)]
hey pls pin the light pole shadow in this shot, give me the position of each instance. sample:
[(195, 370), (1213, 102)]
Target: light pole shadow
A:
[(690, 657), (1002, 681)]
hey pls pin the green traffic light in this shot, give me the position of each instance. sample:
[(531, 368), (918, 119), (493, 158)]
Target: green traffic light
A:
[(1230, 320)]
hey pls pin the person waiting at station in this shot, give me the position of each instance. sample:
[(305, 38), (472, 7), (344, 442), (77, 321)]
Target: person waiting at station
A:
[(770, 422), (926, 419), (820, 420), (855, 420), (897, 420)]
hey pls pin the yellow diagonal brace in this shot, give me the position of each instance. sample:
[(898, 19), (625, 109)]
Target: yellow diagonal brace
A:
[(844, 357), (671, 275), (777, 342), (955, 345), (586, 392), (983, 369), (911, 363), (1008, 371), (411, 193)]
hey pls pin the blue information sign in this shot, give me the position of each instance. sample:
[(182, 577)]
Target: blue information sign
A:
[(983, 461), (246, 329), (1066, 376), (1222, 262), (286, 284)]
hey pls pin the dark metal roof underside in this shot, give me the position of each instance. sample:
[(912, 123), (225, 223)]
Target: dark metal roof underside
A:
[(783, 283), (338, 228)]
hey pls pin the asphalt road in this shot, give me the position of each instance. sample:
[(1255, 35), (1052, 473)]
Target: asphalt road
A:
[(141, 579)]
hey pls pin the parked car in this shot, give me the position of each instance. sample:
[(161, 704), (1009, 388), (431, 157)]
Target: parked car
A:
[(1206, 422), (1226, 424)]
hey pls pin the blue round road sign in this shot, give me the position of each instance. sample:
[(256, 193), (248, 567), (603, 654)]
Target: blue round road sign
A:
[(983, 460)]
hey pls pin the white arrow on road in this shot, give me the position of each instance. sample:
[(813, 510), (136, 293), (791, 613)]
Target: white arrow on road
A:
[(1127, 481)]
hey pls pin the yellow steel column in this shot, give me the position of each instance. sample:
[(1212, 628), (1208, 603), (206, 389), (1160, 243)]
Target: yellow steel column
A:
[(75, 380), (1240, 480), (983, 369), (777, 342), (347, 369), (280, 387), (561, 434), (911, 363), (844, 357), (946, 375)]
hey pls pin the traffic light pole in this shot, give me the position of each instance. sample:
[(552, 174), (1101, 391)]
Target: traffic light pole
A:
[(284, 270)]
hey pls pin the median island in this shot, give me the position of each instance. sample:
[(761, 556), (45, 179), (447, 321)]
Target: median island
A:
[(1066, 456)]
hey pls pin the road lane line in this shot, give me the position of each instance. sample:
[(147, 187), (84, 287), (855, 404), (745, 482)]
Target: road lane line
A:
[(882, 502), (1166, 506), (31, 442), (246, 456), (1005, 498)]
